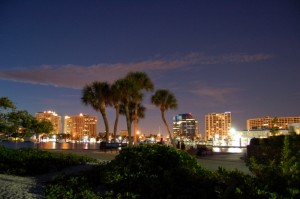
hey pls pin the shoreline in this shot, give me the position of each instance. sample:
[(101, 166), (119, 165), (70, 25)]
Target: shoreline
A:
[(229, 161)]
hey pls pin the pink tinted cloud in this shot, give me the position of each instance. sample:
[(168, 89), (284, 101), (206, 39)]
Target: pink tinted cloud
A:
[(76, 76), (216, 94)]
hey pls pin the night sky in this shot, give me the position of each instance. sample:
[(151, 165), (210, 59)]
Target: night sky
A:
[(215, 56)]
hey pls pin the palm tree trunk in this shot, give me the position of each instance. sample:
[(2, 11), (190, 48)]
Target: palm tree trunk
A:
[(135, 124), (167, 127), (117, 107), (128, 121), (103, 113)]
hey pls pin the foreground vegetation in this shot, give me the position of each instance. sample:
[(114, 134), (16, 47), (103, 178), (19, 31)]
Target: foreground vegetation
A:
[(158, 171), (25, 162)]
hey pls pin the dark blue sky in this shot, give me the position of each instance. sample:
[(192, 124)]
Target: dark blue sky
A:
[(215, 56)]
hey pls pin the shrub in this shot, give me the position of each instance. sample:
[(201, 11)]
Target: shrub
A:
[(71, 188), (157, 171), (270, 149), (280, 175), (32, 161)]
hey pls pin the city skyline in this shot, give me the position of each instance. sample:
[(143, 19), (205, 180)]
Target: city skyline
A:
[(238, 57)]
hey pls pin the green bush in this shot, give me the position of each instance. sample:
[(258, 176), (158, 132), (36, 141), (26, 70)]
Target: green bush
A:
[(157, 171), (280, 176), (269, 149), (71, 188), (32, 161)]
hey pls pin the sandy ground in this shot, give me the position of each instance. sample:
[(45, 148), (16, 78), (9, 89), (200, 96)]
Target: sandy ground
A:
[(16, 187)]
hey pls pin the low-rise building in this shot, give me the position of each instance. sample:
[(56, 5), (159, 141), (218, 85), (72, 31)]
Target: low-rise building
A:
[(266, 123)]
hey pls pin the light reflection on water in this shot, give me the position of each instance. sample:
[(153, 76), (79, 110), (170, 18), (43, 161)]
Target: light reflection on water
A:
[(228, 150), (93, 146), (49, 145)]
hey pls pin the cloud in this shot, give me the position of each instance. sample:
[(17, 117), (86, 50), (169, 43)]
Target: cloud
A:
[(76, 76), (216, 94)]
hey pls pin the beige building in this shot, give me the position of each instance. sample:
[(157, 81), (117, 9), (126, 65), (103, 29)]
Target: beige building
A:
[(217, 124), (53, 118), (80, 126), (267, 123)]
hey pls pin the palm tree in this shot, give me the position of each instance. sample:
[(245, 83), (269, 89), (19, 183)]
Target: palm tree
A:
[(140, 81), (97, 95), (164, 100), (131, 108), (125, 87), (141, 111), (116, 96)]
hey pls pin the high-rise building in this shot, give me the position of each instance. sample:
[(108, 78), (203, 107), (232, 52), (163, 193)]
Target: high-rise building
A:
[(80, 126), (266, 123), (185, 125), (217, 124), (53, 118)]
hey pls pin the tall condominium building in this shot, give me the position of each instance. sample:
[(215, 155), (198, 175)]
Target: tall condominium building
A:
[(266, 123), (53, 118), (217, 124), (185, 125), (80, 126)]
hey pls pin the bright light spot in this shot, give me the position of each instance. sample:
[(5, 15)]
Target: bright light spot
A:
[(232, 131), (217, 136)]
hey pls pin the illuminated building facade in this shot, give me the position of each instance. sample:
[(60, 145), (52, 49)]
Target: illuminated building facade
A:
[(217, 124), (80, 126), (53, 118), (294, 127), (185, 125), (266, 123)]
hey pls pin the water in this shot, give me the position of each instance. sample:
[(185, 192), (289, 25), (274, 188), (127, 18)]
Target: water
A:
[(91, 146), (229, 150), (49, 145)]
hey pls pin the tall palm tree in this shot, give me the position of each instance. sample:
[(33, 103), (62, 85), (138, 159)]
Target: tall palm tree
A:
[(164, 100), (136, 99), (131, 108), (97, 95), (125, 96), (141, 111), (140, 81), (116, 96)]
